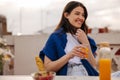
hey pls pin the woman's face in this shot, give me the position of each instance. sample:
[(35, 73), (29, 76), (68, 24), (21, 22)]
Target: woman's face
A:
[(76, 17)]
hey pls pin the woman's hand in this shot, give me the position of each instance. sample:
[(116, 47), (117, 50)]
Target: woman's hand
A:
[(81, 36), (78, 51), (51, 65)]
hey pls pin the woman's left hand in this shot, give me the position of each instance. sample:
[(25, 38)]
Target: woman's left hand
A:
[(81, 36)]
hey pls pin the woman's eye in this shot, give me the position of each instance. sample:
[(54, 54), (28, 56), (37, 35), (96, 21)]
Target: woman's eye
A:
[(80, 14), (77, 13), (83, 15)]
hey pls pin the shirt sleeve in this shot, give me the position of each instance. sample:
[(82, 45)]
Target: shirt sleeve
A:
[(50, 49)]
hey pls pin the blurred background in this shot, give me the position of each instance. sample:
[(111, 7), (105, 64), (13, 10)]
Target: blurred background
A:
[(33, 16), (25, 25)]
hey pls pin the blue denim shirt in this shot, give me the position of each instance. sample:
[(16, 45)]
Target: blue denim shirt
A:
[(55, 45)]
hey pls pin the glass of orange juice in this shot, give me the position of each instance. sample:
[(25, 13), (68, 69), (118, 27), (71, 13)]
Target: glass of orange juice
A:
[(85, 51)]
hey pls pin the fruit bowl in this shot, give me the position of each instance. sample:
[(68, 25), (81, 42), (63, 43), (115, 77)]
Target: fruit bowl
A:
[(44, 75)]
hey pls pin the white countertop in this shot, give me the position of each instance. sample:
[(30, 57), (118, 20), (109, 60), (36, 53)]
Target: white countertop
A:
[(24, 77)]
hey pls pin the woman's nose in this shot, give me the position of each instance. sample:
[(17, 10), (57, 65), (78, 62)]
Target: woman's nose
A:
[(81, 17)]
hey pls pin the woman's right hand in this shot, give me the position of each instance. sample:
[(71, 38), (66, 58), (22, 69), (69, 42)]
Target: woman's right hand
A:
[(51, 65), (77, 51)]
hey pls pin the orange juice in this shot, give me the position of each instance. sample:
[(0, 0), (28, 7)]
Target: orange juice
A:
[(85, 50), (105, 69)]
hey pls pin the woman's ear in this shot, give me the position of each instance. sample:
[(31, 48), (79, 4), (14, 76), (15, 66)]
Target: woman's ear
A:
[(66, 15)]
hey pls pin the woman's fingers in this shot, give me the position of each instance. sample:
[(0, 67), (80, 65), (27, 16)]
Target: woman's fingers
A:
[(80, 51), (82, 56)]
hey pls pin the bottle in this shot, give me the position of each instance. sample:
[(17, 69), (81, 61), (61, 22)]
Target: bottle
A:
[(105, 61)]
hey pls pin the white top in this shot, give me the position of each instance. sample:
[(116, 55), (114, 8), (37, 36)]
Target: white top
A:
[(77, 70), (71, 43)]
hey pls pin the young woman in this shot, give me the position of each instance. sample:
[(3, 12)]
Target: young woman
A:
[(62, 52)]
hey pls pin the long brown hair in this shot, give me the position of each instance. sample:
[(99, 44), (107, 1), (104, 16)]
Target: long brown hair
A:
[(64, 23)]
